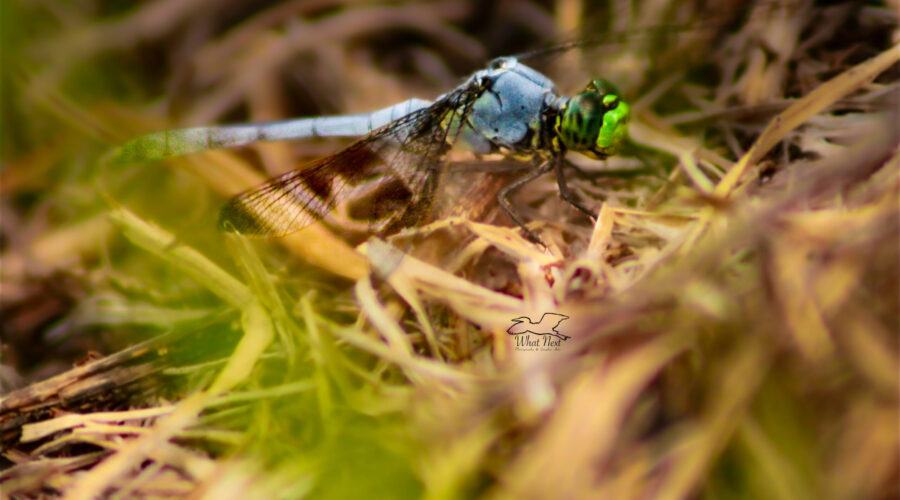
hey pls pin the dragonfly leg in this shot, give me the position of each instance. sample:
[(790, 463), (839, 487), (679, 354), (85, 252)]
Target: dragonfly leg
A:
[(503, 197), (565, 194)]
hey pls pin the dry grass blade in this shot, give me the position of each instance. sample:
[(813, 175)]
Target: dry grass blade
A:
[(825, 95)]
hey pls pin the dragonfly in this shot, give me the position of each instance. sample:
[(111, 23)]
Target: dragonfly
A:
[(507, 108)]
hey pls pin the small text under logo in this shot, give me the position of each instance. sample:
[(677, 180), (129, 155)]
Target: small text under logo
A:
[(541, 335)]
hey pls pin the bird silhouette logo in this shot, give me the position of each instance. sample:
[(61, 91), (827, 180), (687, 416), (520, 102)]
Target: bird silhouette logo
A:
[(547, 325)]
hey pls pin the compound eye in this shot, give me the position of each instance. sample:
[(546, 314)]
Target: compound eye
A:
[(588, 106), (580, 123), (602, 86), (610, 101)]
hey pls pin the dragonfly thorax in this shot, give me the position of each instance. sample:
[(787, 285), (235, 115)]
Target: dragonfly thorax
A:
[(595, 121)]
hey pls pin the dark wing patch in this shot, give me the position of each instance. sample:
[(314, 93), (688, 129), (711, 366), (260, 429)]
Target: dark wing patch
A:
[(397, 164)]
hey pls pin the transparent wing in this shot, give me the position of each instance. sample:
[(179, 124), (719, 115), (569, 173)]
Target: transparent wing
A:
[(385, 180)]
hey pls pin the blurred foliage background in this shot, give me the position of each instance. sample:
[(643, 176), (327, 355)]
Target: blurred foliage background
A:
[(756, 359)]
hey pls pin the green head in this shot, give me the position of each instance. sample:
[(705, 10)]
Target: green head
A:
[(594, 122)]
